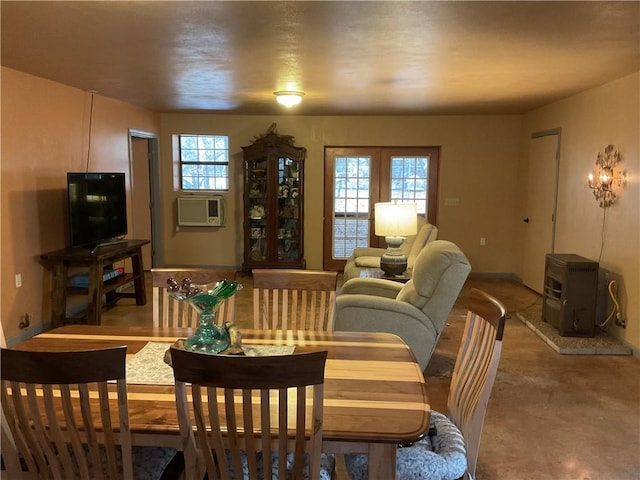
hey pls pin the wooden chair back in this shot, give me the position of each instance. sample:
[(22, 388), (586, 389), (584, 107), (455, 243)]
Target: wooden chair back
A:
[(10, 456), (59, 416), (287, 299), (475, 370), (3, 339), (169, 312), (243, 405)]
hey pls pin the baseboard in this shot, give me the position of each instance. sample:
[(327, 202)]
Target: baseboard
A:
[(26, 334)]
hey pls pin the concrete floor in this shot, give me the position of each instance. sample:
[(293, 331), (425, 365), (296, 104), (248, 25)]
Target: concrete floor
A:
[(550, 416)]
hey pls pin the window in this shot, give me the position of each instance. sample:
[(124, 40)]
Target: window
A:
[(358, 177), (352, 176), (409, 180), (204, 162)]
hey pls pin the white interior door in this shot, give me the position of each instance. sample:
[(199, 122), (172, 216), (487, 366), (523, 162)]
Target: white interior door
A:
[(541, 207)]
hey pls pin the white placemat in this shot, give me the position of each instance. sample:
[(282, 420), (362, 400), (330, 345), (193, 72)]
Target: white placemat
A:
[(147, 367), (265, 350)]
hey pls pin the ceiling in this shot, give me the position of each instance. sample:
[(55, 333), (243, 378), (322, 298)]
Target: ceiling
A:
[(349, 58)]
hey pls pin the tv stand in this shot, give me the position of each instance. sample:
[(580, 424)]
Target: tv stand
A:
[(107, 244), (99, 293)]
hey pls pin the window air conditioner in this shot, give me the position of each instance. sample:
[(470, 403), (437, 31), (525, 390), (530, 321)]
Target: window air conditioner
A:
[(200, 211)]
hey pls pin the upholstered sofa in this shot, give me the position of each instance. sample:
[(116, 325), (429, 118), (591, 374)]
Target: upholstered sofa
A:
[(369, 257), (416, 311)]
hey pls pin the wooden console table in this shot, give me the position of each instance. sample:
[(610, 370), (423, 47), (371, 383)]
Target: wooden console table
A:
[(60, 261)]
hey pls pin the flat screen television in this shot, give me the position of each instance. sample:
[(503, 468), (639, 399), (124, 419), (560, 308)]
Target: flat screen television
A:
[(97, 208)]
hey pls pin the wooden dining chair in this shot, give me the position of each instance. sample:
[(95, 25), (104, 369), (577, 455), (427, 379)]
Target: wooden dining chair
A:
[(8, 453), (170, 312), (450, 450), (251, 417), (475, 370), (66, 416), (288, 299)]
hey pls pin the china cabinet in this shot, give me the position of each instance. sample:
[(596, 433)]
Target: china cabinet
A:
[(273, 202)]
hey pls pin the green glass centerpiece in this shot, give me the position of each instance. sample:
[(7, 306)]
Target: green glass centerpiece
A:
[(208, 337)]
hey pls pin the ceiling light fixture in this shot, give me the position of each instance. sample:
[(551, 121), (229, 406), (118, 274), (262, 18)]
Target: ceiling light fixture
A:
[(288, 98)]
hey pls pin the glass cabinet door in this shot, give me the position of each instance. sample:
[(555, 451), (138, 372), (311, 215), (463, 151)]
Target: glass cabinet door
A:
[(288, 216), (257, 211)]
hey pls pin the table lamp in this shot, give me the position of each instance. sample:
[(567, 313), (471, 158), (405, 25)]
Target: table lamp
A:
[(395, 221)]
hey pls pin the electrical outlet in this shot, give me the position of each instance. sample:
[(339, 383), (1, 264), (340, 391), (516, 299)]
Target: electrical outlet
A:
[(26, 321), (18, 280), (483, 241)]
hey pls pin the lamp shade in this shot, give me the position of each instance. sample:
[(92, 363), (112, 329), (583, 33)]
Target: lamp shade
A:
[(396, 219)]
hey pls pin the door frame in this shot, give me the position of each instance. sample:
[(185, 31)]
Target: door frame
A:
[(380, 170), (154, 189)]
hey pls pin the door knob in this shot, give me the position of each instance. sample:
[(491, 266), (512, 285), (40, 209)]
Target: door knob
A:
[(525, 220)]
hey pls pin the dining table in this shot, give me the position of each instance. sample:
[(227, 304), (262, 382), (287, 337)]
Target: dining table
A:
[(375, 395)]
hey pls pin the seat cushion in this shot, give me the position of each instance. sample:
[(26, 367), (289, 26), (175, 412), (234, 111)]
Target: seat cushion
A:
[(435, 457), (149, 463), (368, 262), (327, 466)]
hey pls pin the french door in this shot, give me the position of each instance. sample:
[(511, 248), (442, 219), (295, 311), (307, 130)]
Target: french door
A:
[(356, 178)]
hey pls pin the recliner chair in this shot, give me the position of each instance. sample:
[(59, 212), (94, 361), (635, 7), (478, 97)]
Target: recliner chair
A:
[(416, 311), (364, 258)]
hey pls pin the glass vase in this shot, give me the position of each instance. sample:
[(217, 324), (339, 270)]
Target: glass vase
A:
[(208, 337)]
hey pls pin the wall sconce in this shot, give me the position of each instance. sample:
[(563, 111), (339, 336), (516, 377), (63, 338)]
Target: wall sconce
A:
[(288, 99), (607, 176), (395, 221)]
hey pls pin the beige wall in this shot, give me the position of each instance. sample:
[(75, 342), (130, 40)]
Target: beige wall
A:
[(478, 165), (590, 121), (45, 129), (45, 134)]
